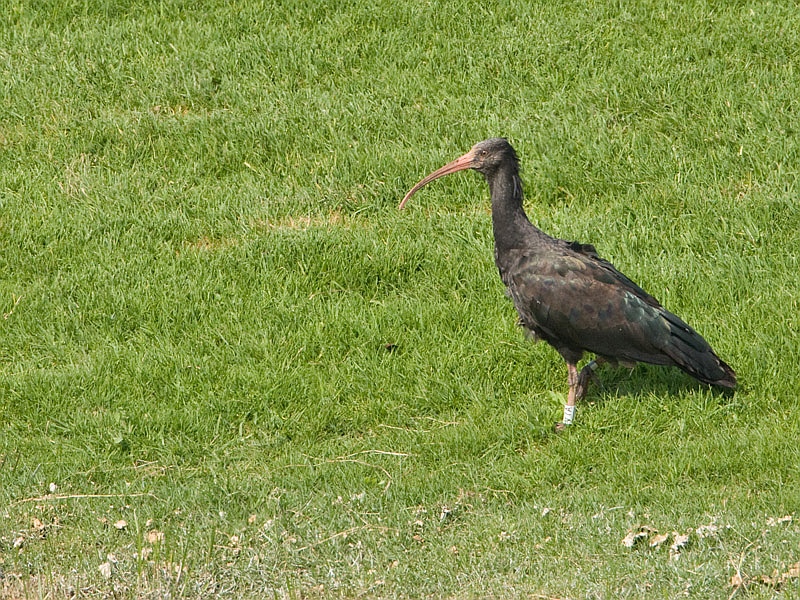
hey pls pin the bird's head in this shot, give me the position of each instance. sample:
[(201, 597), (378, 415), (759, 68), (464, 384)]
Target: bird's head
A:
[(485, 157), (490, 154)]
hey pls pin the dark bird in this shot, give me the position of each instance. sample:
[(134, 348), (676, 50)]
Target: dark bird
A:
[(568, 296)]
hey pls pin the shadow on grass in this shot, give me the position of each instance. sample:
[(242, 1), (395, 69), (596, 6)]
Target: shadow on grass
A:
[(646, 379)]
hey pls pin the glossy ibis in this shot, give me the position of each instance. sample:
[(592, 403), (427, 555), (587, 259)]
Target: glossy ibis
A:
[(568, 296)]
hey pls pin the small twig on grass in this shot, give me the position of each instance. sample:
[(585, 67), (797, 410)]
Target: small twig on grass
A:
[(80, 496), (14, 307), (348, 459), (251, 167), (347, 532), (381, 452), (435, 420), (504, 493), (737, 581), (366, 464), (441, 425)]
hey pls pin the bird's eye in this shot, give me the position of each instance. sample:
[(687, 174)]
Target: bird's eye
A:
[(484, 152)]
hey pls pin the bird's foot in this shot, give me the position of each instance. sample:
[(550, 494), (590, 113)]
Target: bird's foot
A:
[(560, 427)]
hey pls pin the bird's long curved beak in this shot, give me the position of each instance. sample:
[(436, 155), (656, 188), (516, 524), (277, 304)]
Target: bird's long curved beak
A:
[(462, 162)]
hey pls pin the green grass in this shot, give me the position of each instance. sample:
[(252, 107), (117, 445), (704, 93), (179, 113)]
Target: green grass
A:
[(217, 328)]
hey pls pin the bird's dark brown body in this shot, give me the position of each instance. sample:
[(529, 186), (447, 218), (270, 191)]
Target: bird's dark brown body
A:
[(568, 296), (578, 302)]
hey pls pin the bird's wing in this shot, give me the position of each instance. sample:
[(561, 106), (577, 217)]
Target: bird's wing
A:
[(589, 251), (578, 301)]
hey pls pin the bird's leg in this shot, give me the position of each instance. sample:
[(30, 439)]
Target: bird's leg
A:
[(572, 396), (585, 376), (578, 384)]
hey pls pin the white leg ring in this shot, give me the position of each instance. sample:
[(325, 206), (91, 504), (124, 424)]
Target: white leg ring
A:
[(569, 414)]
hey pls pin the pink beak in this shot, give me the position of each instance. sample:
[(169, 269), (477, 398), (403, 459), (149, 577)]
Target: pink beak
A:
[(459, 164)]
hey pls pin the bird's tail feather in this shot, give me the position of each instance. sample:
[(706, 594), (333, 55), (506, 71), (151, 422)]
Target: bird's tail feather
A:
[(695, 356)]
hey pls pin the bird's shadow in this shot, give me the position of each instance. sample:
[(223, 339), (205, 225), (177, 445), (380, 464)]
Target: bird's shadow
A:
[(645, 379), (640, 384)]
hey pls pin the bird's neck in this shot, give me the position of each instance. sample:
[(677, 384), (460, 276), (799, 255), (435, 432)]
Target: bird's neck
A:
[(512, 228)]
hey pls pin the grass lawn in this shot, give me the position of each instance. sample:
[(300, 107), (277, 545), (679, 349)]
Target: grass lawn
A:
[(230, 367)]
